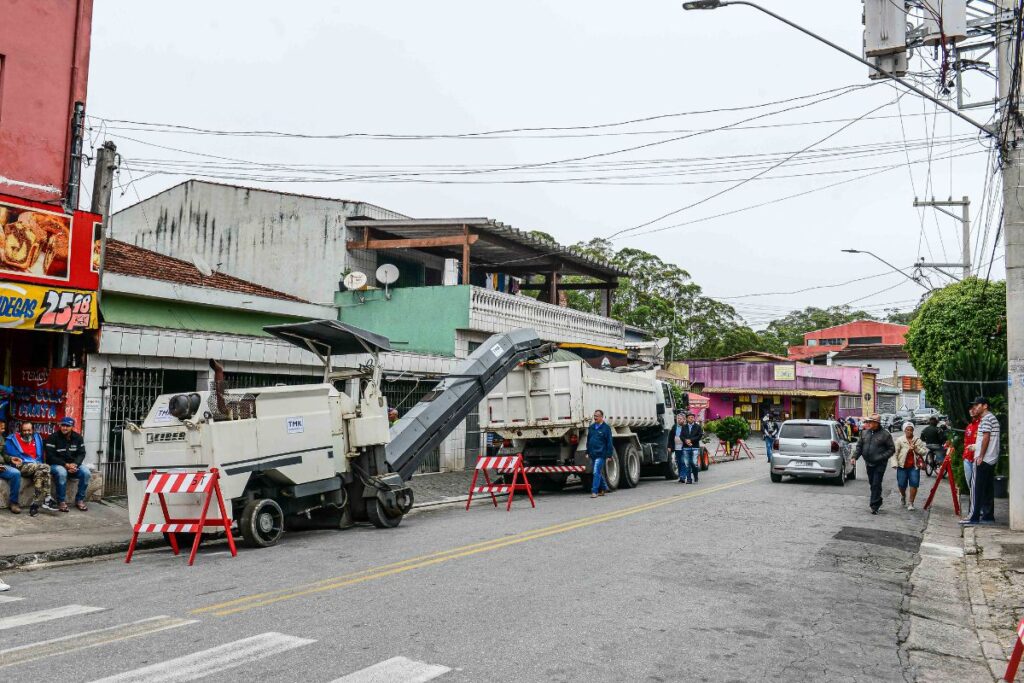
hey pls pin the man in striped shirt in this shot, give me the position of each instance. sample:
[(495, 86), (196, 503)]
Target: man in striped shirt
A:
[(986, 455)]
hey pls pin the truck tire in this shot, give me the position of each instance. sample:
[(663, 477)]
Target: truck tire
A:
[(613, 472), (670, 468), (380, 517), (261, 523), (630, 459)]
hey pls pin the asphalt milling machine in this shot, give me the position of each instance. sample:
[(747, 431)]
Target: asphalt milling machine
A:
[(315, 455)]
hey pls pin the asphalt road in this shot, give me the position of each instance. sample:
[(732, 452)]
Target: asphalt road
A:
[(732, 579)]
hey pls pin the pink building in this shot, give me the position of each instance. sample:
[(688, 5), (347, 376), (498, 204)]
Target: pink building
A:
[(750, 385)]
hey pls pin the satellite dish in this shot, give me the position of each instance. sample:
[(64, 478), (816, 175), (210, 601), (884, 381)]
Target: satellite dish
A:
[(202, 266), (355, 280), (387, 274), (661, 342)]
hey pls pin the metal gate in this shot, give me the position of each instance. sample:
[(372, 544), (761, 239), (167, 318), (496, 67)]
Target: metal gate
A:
[(132, 392), (255, 380), (403, 394)]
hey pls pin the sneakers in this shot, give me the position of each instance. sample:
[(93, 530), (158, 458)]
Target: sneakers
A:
[(903, 501), (4, 586), (601, 493), (910, 507), (49, 505), (593, 495), (33, 509), (968, 522)]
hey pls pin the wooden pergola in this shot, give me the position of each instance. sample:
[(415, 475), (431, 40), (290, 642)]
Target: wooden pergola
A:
[(482, 244)]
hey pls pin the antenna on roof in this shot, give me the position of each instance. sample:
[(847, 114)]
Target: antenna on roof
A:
[(202, 266)]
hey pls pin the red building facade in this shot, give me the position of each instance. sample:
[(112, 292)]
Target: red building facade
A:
[(859, 332), (49, 251), (44, 69)]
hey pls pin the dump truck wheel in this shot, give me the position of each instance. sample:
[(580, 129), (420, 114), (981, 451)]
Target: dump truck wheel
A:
[(262, 523), (670, 468), (612, 472), (379, 517), (630, 459)]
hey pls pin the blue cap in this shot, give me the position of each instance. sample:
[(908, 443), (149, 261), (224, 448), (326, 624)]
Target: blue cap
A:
[(67, 422)]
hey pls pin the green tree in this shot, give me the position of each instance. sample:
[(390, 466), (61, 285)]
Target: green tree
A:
[(967, 312), (731, 429), (790, 329)]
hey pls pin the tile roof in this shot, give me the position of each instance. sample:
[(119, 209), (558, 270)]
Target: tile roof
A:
[(127, 259)]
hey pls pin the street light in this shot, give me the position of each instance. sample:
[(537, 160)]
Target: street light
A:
[(715, 4), (869, 253)]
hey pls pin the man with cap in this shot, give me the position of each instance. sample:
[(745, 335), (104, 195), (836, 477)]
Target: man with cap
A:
[(876, 447), (986, 455), (65, 451)]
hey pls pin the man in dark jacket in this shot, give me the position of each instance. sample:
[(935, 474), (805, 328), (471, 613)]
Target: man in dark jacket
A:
[(65, 451), (600, 447), (876, 447)]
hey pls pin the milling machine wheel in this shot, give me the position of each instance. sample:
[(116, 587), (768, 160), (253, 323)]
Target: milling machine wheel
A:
[(262, 523), (380, 517)]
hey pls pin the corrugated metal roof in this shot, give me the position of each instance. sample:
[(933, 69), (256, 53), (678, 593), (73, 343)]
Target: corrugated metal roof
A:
[(499, 245)]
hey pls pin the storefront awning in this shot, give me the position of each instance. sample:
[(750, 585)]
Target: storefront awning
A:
[(808, 393), (698, 402)]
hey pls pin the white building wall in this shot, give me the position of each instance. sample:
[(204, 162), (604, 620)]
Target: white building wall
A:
[(291, 243), (886, 367)]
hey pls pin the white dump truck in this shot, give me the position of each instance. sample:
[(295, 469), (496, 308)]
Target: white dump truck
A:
[(313, 455), (542, 410)]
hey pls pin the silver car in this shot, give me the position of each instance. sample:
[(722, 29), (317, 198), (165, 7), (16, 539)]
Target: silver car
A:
[(812, 448)]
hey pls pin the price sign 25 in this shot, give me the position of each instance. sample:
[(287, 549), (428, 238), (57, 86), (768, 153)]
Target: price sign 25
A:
[(63, 310)]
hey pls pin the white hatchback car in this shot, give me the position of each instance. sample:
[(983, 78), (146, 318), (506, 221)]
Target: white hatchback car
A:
[(815, 449)]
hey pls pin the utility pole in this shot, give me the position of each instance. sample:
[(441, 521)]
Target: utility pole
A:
[(103, 185), (965, 224), (1011, 78)]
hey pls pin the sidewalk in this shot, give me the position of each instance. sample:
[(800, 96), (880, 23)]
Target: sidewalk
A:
[(966, 596)]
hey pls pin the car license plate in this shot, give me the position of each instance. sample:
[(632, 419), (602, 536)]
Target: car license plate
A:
[(803, 463)]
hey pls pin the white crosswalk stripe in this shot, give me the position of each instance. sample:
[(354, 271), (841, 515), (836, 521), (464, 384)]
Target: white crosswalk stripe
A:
[(9, 598), (396, 670), (208, 662), (29, 618), (81, 641)]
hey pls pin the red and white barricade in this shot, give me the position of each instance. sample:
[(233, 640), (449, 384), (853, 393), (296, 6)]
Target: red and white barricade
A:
[(1018, 650), (506, 464), (176, 481), (741, 449)]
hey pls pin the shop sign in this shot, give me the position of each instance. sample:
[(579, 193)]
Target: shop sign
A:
[(51, 309), (43, 396), (784, 373), (40, 245)]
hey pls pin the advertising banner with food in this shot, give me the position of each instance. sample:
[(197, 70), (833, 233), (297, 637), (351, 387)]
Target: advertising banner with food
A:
[(50, 309), (42, 245), (45, 395)]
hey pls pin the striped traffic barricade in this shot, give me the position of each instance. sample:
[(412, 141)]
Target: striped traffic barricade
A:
[(506, 464), (169, 482)]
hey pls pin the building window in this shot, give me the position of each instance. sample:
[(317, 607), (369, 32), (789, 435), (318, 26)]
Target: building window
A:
[(849, 403), (865, 340), (812, 342)]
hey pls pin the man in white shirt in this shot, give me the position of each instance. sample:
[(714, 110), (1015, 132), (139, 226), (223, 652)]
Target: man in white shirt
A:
[(986, 455)]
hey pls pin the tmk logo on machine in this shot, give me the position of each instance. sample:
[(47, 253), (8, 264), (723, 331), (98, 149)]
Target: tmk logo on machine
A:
[(295, 425)]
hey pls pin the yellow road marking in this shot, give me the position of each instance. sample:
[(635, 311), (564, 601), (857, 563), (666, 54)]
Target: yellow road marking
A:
[(268, 598)]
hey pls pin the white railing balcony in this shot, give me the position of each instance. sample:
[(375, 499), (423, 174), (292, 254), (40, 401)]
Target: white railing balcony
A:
[(491, 311)]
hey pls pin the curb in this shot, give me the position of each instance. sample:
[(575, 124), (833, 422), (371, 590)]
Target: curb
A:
[(74, 553), (983, 627)]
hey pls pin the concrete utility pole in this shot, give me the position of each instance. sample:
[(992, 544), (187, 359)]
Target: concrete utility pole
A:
[(103, 185), (965, 221), (1011, 79)]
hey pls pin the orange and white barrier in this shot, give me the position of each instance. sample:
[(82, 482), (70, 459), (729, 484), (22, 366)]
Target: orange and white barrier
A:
[(176, 481)]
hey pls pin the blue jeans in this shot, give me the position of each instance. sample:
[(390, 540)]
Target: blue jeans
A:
[(686, 461), (969, 473), (599, 482), (13, 477), (60, 475), (768, 447), (907, 475)]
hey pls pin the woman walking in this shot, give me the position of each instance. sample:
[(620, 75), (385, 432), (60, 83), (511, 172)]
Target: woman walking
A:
[(905, 460)]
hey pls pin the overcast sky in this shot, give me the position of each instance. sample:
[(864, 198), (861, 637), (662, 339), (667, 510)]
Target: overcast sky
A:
[(414, 68)]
